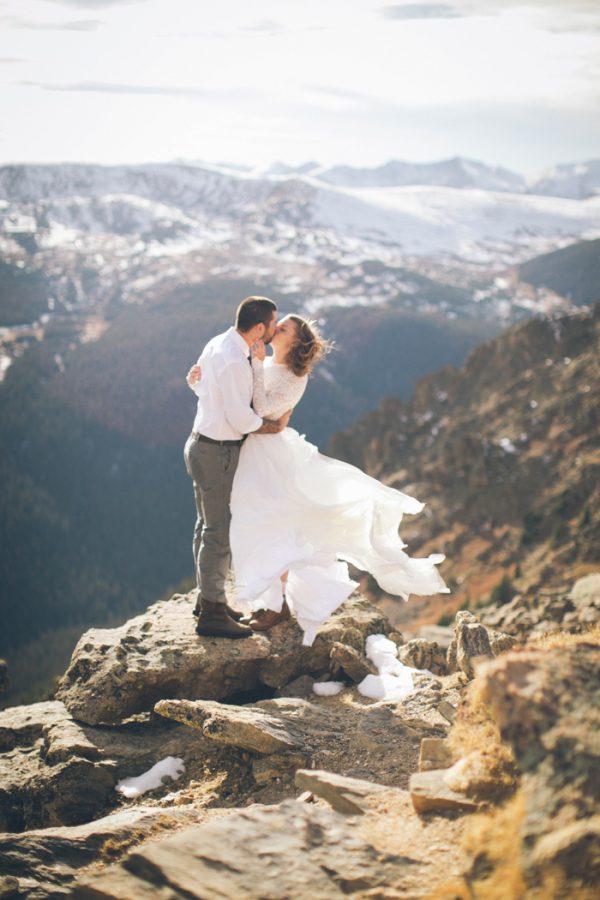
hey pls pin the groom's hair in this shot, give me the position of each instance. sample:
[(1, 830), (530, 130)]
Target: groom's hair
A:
[(254, 311)]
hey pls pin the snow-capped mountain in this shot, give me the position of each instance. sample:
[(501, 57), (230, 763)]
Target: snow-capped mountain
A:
[(576, 180), (468, 224), (295, 213), (456, 173), (95, 235)]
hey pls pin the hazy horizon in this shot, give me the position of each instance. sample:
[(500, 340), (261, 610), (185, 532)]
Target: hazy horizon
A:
[(510, 84), (247, 168)]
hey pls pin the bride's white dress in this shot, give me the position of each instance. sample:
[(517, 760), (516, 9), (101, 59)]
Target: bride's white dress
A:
[(294, 509)]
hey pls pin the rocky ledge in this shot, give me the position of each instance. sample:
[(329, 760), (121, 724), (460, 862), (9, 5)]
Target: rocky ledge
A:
[(291, 782), (115, 673)]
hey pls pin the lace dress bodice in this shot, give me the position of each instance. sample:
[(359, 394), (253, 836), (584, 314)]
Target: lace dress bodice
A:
[(276, 388)]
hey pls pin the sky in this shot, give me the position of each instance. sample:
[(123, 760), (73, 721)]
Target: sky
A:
[(513, 83)]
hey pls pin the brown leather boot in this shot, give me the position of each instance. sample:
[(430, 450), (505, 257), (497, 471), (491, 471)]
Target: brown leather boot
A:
[(264, 619), (231, 612), (214, 621)]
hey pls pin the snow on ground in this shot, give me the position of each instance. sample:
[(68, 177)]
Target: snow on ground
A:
[(394, 681), (171, 766), (428, 220), (327, 688), (186, 208)]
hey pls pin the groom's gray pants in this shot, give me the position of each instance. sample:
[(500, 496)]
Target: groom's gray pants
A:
[(211, 467)]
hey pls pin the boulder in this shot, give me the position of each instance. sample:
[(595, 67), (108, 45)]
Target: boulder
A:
[(471, 640), (430, 792), (351, 796), (289, 850), (55, 771), (345, 660), (447, 710), (429, 700), (45, 862), (239, 726), (422, 654), (115, 673), (299, 687), (585, 596), (546, 704), (500, 642)]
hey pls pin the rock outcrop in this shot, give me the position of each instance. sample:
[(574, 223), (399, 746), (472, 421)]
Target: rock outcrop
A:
[(348, 662), (290, 850), (44, 863), (572, 611), (55, 771), (432, 791), (404, 777), (115, 673), (350, 796), (505, 451), (472, 641), (248, 728), (287, 733), (547, 706), (422, 654)]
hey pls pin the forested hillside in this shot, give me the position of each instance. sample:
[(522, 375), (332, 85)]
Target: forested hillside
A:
[(505, 454), (98, 511)]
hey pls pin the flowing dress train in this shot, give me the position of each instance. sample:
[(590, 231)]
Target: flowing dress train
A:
[(295, 510)]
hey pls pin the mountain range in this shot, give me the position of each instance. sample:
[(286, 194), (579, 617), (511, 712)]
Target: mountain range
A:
[(111, 280), (576, 181), (460, 212)]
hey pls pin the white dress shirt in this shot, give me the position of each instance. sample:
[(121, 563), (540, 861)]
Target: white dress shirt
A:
[(225, 389)]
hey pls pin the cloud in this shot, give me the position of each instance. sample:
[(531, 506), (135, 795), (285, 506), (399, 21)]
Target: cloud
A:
[(420, 11), (28, 25), (264, 26), (95, 4), (102, 87), (557, 15), (339, 93)]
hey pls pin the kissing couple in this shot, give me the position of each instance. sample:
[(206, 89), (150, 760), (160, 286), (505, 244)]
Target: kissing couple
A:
[(283, 516)]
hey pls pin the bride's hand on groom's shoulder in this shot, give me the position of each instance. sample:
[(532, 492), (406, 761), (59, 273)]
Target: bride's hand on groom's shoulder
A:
[(194, 375), (258, 351)]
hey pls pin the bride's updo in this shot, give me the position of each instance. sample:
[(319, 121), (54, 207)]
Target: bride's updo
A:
[(310, 346)]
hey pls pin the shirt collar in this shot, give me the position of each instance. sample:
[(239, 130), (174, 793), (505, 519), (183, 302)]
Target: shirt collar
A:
[(239, 341)]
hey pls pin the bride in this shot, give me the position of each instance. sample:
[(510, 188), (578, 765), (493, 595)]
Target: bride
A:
[(299, 517)]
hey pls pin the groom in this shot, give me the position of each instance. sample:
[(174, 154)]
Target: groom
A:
[(222, 381)]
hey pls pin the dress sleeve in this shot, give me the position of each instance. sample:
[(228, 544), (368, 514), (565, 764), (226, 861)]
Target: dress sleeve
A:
[(284, 394)]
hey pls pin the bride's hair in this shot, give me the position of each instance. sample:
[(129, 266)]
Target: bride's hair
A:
[(309, 348)]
